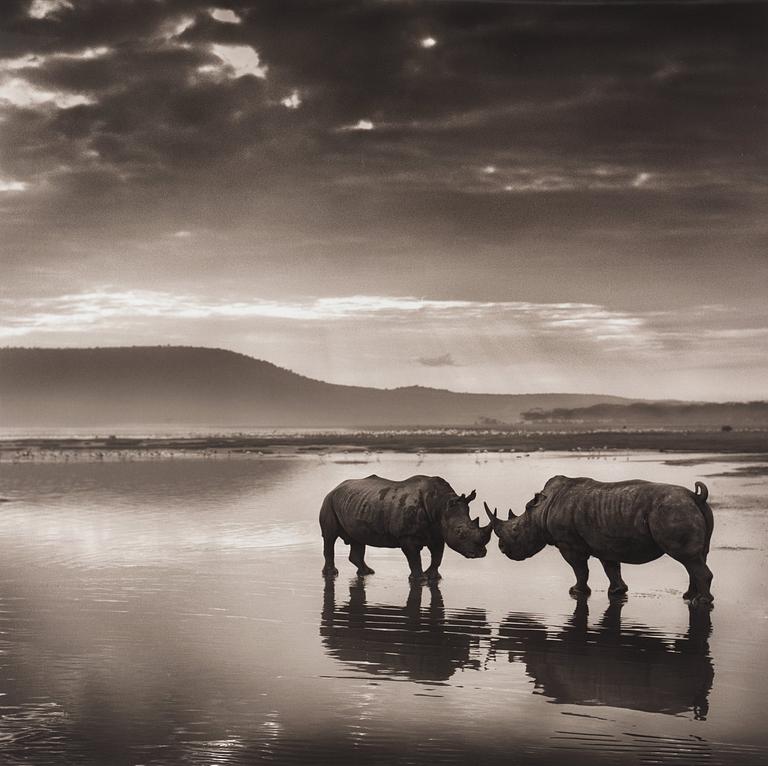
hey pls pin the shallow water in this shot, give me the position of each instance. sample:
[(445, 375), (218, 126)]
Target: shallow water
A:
[(173, 613)]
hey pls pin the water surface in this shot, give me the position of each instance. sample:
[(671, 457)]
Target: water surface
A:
[(173, 612)]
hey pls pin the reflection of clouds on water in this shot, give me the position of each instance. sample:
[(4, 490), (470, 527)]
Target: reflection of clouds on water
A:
[(416, 641), (630, 667)]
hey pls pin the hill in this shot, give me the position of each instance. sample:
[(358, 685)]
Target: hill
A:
[(164, 385), (659, 415)]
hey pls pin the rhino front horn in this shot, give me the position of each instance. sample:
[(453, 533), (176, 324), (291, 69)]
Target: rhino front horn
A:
[(492, 516), (471, 496)]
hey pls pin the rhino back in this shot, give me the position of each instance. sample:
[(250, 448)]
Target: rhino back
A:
[(383, 513), (618, 521)]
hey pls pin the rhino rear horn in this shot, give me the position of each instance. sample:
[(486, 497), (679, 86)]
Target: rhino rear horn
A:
[(471, 496), (510, 515), (475, 522)]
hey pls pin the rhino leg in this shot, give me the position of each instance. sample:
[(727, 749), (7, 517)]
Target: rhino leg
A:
[(578, 562), (617, 587), (436, 551), (412, 552), (357, 556), (700, 579), (329, 543)]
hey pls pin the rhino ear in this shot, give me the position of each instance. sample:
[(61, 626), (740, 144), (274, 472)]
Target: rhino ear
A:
[(471, 496)]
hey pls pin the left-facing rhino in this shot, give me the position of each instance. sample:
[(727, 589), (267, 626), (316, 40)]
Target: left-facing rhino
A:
[(628, 522), (411, 514)]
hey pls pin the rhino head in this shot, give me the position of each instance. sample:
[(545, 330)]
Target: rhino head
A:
[(519, 536), (462, 533)]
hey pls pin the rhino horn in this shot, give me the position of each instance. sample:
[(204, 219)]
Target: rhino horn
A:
[(487, 530), (471, 496), (494, 517), (510, 515), (475, 522)]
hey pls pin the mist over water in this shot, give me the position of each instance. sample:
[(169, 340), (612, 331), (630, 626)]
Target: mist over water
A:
[(173, 612)]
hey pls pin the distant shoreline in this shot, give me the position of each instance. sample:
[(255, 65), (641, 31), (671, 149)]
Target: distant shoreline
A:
[(438, 440)]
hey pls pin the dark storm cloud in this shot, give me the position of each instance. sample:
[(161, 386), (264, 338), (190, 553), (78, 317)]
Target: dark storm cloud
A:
[(612, 154)]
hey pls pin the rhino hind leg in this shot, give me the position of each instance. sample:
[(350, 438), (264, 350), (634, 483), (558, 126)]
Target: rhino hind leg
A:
[(329, 543), (357, 557), (700, 579), (617, 587)]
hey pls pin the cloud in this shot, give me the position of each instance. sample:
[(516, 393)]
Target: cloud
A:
[(40, 9), (444, 360), (359, 125), (236, 60), (293, 101), (12, 186), (225, 15), (19, 92)]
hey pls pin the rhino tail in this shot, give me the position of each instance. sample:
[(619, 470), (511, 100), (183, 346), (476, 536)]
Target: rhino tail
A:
[(701, 495)]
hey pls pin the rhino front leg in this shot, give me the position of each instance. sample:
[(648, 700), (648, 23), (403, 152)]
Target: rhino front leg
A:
[(578, 562), (412, 552), (357, 557), (617, 587), (436, 551)]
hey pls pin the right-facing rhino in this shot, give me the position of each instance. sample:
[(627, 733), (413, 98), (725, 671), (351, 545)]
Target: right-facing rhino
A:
[(629, 522), (420, 511)]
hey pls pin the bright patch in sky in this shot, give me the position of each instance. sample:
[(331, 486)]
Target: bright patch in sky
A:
[(21, 93), (428, 42), (6, 186), (39, 9), (489, 169), (241, 59), (225, 15), (359, 125), (291, 102), (641, 179)]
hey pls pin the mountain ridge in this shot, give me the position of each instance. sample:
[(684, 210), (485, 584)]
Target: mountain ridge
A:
[(194, 385)]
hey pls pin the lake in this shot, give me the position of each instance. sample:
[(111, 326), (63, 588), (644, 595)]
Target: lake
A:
[(173, 612)]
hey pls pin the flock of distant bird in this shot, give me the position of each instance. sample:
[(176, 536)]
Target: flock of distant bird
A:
[(52, 455)]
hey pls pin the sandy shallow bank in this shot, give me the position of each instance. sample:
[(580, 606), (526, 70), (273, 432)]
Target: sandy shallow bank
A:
[(360, 445)]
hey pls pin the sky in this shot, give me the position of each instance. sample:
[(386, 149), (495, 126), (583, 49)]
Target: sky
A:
[(483, 196)]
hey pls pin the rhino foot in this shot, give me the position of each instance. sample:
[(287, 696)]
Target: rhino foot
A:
[(704, 601), (365, 570), (330, 571), (433, 575), (618, 592), (580, 592)]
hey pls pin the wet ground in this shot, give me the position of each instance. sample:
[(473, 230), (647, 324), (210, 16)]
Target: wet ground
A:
[(173, 612)]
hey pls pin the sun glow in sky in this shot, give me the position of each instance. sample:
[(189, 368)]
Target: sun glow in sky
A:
[(479, 196)]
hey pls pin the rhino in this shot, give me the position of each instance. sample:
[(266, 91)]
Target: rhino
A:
[(410, 514), (630, 522)]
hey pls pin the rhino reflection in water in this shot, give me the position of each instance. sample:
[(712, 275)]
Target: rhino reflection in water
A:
[(417, 642), (629, 669)]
